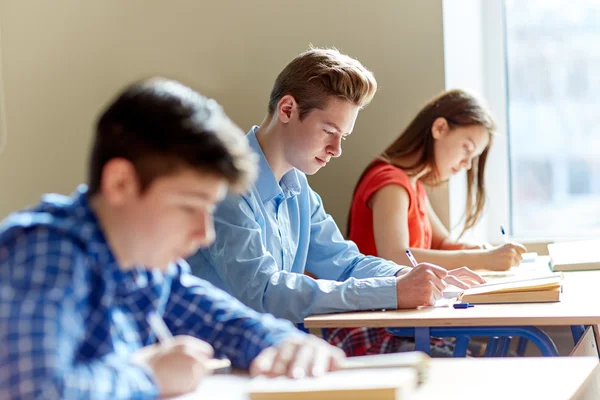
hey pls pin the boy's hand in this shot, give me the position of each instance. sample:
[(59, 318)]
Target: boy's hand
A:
[(421, 286), (298, 357), (178, 366), (465, 276)]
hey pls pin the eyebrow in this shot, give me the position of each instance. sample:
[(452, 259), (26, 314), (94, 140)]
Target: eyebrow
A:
[(475, 147), (198, 195), (337, 128)]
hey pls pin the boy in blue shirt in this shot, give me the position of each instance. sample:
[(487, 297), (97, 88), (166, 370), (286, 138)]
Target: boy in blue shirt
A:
[(268, 238), (73, 296)]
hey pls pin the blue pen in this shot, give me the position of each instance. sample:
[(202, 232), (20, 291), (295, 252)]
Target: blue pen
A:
[(504, 236), (463, 305), (411, 258)]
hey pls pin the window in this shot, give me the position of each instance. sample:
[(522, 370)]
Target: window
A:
[(553, 104)]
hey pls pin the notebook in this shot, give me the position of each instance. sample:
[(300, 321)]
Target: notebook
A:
[(386, 384), (575, 256), (530, 257), (396, 377), (416, 360), (531, 264), (537, 289)]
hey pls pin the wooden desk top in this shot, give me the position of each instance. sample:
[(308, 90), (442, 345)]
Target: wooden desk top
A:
[(579, 305), (511, 378), (467, 379)]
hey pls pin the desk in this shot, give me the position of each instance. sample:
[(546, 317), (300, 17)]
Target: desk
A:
[(468, 379), (578, 306)]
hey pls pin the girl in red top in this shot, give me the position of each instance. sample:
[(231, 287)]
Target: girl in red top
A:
[(390, 210)]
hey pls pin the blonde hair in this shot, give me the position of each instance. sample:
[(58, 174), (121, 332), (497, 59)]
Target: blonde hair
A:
[(316, 74)]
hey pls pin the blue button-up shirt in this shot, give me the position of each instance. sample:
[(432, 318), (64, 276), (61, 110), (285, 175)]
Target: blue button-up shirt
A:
[(70, 318), (266, 240)]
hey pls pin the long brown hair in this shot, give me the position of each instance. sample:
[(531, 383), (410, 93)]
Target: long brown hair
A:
[(459, 108)]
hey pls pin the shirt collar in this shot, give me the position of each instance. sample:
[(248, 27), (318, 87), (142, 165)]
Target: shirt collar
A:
[(97, 244), (266, 184)]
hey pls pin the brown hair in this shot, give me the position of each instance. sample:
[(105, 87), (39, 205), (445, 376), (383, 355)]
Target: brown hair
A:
[(318, 73), (161, 126), (459, 108)]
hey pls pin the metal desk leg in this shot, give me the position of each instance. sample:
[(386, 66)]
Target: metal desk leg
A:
[(504, 346), (522, 347), (533, 334), (461, 346), (577, 331), (423, 340), (492, 346)]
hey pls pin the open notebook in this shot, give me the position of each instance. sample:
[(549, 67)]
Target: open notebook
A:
[(396, 378), (531, 265), (537, 289), (575, 256)]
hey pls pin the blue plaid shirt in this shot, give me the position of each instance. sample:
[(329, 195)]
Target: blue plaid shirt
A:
[(70, 319)]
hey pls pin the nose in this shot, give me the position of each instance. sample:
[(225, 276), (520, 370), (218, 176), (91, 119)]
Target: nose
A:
[(468, 163), (334, 149), (205, 232)]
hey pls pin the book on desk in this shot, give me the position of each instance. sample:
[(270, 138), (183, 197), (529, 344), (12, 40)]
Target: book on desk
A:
[(535, 289), (580, 255), (397, 377)]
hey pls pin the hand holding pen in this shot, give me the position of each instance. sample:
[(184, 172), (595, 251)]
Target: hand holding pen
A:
[(164, 336), (462, 278), (178, 363), (504, 256), (424, 284), (420, 286)]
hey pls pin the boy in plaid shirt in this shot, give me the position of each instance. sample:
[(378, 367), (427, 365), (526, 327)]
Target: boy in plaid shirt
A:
[(74, 296)]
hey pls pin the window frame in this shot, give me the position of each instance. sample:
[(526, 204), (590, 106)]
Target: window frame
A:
[(475, 56)]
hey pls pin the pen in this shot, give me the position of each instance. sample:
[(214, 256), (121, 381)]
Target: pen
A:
[(411, 258), (161, 330), (462, 305), (504, 236)]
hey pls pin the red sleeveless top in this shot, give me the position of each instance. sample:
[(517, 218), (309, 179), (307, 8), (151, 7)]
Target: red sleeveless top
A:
[(361, 217)]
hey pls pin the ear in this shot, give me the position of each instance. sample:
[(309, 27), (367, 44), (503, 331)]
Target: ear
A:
[(120, 182), (439, 128), (287, 108)]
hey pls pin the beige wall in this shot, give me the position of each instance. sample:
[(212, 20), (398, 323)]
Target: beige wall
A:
[(63, 59)]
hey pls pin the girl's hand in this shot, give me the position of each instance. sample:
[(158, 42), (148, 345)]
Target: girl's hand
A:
[(502, 258)]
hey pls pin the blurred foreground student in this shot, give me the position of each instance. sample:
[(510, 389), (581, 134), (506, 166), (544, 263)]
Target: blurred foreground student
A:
[(79, 274)]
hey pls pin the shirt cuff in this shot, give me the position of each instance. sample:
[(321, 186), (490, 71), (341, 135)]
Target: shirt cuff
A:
[(148, 373), (378, 293), (403, 271), (390, 269)]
